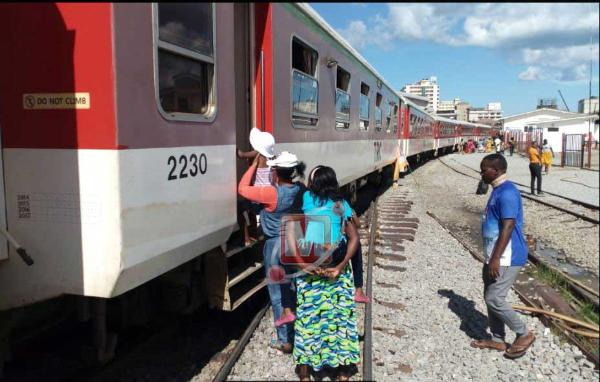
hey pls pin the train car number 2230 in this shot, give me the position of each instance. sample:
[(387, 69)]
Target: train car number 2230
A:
[(186, 166)]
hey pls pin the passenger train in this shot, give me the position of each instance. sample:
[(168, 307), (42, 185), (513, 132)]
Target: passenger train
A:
[(120, 124)]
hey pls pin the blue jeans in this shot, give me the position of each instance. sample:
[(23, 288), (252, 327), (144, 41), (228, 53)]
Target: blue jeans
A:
[(281, 295)]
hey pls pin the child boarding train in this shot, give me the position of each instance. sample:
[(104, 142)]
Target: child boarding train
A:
[(119, 128)]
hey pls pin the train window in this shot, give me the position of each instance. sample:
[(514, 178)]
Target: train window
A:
[(394, 118), (378, 112), (364, 106), (342, 99), (305, 87), (342, 80), (185, 69), (388, 117)]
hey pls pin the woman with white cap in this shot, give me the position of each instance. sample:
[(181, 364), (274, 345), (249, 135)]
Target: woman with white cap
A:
[(278, 200)]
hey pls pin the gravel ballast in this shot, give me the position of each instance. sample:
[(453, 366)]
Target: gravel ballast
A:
[(428, 304)]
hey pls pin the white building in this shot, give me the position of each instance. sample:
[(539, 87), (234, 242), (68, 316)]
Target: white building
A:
[(553, 123), (495, 106), (445, 106), (449, 109), (427, 88), (585, 104), (492, 112)]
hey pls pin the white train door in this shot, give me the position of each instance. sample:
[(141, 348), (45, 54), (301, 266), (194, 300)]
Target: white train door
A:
[(3, 241)]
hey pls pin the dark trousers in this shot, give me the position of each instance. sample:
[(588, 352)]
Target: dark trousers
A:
[(512, 149), (357, 267), (535, 169)]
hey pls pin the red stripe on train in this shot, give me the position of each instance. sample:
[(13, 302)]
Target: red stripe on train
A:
[(264, 43), (57, 48)]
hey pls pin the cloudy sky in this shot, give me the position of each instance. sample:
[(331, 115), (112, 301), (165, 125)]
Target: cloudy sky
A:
[(512, 53)]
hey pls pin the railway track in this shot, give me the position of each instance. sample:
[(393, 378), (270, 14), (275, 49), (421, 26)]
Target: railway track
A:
[(537, 200), (367, 372), (588, 295)]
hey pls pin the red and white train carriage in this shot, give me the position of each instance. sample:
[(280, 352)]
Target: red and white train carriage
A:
[(120, 122)]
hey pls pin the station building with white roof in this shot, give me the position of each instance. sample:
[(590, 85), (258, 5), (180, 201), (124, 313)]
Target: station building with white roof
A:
[(553, 124)]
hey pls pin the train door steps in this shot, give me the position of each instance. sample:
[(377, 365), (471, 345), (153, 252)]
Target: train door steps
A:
[(234, 274), (231, 250)]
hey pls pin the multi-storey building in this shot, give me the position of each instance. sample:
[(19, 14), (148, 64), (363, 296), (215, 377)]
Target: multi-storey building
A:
[(448, 109), (462, 111), (492, 112), (587, 104), (426, 88)]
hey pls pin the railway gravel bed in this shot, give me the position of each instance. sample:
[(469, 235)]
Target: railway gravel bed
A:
[(570, 182), (427, 307), (259, 362), (576, 241)]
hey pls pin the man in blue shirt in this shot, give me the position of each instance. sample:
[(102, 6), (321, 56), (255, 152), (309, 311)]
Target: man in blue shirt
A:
[(505, 254)]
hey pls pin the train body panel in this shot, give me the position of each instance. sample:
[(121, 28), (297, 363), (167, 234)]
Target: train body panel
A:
[(290, 26), (108, 195), (104, 224), (350, 159), (139, 175)]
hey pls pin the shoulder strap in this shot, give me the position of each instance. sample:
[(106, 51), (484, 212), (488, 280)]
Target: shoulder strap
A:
[(339, 204)]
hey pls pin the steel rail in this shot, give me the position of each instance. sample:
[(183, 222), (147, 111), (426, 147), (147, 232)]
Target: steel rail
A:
[(579, 202), (241, 344), (523, 194), (367, 360), (367, 374), (557, 325)]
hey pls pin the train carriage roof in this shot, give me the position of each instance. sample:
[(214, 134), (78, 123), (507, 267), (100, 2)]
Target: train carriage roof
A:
[(310, 12)]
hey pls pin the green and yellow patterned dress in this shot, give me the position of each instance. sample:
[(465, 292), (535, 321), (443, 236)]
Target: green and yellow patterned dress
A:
[(325, 329)]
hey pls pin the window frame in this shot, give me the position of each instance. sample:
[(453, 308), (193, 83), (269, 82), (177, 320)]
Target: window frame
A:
[(395, 109), (315, 77), (157, 44), (360, 118), (348, 122), (379, 110)]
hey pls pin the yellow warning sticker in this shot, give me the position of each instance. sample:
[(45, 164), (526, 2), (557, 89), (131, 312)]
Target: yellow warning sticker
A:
[(48, 101)]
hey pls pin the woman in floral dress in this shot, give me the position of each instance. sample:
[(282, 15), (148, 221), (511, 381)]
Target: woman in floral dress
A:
[(326, 329)]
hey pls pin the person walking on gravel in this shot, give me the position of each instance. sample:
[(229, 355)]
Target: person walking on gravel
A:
[(547, 156), (505, 254)]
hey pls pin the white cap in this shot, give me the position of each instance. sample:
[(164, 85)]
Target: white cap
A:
[(285, 159), (262, 142)]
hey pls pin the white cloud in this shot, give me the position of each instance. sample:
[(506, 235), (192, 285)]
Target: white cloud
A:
[(552, 39), (560, 57), (356, 34), (533, 73)]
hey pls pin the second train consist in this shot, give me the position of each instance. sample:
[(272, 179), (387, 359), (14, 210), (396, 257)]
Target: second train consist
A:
[(119, 129)]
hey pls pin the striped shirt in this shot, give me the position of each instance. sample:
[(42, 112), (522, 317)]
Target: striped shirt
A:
[(263, 177)]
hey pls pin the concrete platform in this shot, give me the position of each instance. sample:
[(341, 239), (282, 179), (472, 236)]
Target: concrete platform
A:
[(574, 183)]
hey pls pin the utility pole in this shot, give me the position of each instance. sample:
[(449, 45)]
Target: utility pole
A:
[(589, 148)]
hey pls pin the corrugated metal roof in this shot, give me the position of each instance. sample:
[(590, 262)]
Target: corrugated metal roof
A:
[(537, 111)]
